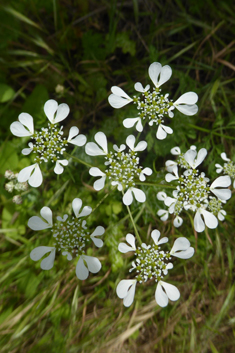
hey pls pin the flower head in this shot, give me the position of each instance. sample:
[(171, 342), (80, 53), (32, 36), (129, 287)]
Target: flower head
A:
[(122, 168), (154, 106), (71, 238), (48, 144), (152, 263), (194, 193)]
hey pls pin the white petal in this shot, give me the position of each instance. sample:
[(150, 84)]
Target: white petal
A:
[(222, 194), (139, 195), (131, 240), (139, 126), (101, 139), (117, 102), (170, 177), (46, 213), (92, 149), (50, 108), (169, 201), (36, 223), (163, 214), (128, 300), (155, 236), (126, 289), (48, 262), (127, 197), (119, 92), (79, 140), (162, 132), (175, 151), (81, 270), (32, 174), (146, 171), (27, 151), (94, 171), (85, 212), (180, 244), (210, 220), (224, 157), (187, 109), (76, 205), (139, 87), (99, 184), (156, 69), (93, 263), (130, 122), (200, 157), (186, 254), (37, 253), (187, 98), (124, 248), (222, 181), (198, 222), (97, 232), (62, 113), (190, 156), (177, 221), (165, 75), (130, 141), (141, 146), (171, 291), (18, 127), (58, 166), (160, 296), (161, 195)]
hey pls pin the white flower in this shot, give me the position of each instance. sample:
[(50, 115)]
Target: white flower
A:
[(193, 192), (48, 143), (154, 106), (122, 167), (70, 236), (152, 262)]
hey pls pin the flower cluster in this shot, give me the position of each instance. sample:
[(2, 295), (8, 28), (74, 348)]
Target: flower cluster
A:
[(153, 106), (123, 168), (228, 168), (193, 191), (152, 263), (48, 143), (13, 184), (70, 236)]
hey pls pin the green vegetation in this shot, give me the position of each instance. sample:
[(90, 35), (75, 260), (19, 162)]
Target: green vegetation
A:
[(86, 47)]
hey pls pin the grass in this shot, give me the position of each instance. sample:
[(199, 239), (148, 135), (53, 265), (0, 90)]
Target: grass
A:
[(87, 47)]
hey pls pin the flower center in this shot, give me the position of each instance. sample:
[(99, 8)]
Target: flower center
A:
[(49, 144), (153, 106), (123, 168), (70, 236), (150, 263), (215, 205), (191, 191), (229, 169)]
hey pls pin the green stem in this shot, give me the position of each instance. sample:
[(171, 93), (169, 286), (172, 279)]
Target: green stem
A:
[(211, 132), (106, 195), (77, 159), (132, 220)]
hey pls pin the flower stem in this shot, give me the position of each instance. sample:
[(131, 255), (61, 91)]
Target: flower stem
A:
[(106, 195), (132, 220), (78, 160)]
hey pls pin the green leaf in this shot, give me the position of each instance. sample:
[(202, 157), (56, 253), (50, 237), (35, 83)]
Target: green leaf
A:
[(6, 93)]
